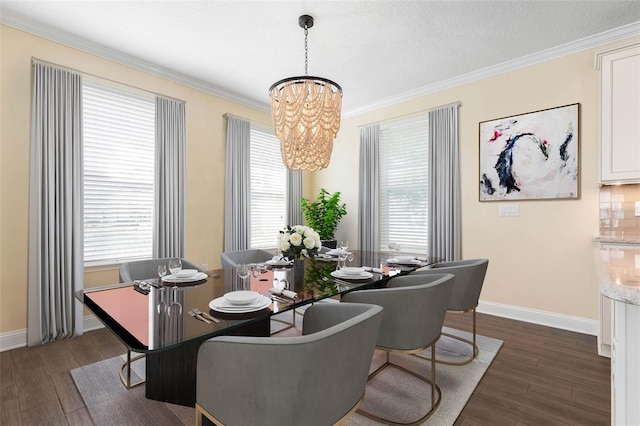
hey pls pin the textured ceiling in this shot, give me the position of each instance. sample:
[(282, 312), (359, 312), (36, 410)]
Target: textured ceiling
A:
[(376, 50)]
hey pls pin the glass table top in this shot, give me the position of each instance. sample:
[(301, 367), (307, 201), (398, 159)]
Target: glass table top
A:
[(160, 317)]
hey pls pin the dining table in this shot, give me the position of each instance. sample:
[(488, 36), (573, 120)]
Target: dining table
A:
[(166, 320)]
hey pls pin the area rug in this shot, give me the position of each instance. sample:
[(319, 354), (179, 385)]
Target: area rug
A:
[(391, 393)]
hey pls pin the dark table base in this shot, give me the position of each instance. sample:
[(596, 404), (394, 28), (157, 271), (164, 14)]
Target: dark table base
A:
[(171, 374)]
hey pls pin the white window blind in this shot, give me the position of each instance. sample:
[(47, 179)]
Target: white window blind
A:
[(403, 185), (118, 131), (268, 188)]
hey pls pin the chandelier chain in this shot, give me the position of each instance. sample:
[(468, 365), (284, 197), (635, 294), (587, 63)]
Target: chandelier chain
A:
[(306, 50)]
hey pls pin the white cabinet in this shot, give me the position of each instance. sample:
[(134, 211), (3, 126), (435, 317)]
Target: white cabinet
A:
[(619, 112), (625, 365)]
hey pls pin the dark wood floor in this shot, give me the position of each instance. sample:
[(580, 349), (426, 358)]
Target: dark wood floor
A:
[(541, 376)]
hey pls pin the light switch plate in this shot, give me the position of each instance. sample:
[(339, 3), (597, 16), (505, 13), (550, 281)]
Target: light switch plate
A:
[(637, 209), (508, 210)]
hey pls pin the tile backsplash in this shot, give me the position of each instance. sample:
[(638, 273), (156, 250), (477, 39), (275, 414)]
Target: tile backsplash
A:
[(617, 211)]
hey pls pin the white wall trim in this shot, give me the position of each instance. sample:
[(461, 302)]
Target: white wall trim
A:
[(550, 319), (24, 24), (13, 340), (566, 49), (50, 33), (18, 338), (91, 323)]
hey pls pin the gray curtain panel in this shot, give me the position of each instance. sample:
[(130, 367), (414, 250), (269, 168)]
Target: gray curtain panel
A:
[(369, 189), (294, 197), (237, 185), (55, 205), (444, 184), (169, 218)]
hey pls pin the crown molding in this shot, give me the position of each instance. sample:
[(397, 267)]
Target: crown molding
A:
[(596, 40), (50, 33), (45, 31)]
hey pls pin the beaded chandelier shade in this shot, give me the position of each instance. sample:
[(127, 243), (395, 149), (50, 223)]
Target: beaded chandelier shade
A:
[(306, 116)]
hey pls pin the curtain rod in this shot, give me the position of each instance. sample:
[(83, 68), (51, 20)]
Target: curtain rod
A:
[(258, 123), (228, 114), (64, 67), (411, 114)]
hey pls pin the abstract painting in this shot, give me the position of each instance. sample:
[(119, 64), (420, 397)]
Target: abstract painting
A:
[(532, 156)]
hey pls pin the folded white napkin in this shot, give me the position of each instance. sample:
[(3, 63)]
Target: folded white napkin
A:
[(285, 293), (376, 270), (337, 252)]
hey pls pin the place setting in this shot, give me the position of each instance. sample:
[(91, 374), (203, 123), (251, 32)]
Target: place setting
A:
[(278, 262), (338, 253), (352, 273), (239, 302), (178, 275)]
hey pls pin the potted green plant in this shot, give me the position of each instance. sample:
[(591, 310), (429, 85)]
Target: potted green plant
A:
[(324, 214)]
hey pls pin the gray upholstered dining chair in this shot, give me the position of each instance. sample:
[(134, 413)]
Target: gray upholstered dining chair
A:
[(469, 275), (414, 311), (147, 269), (230, 259), (318, 378)]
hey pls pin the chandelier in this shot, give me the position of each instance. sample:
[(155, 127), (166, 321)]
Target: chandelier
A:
[(306, 115)]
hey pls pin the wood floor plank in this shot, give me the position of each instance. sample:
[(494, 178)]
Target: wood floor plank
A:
[(67, 392), (8, 389), (84, 351), (567, 409), (10, 413), (35, 388), (79, 418), (47, 413)]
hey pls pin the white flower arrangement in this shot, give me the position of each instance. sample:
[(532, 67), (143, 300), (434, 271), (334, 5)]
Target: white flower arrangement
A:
[(296, 242)]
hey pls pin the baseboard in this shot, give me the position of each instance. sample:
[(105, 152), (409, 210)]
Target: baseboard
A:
[(550, 319), (90, 322), (18, 339), (13, 340)]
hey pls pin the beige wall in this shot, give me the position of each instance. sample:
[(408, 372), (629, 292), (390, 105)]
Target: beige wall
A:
[(542, 259), (204, 157), (539, 260)]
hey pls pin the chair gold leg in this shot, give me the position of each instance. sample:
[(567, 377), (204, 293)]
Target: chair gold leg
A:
[(435, 389), (200, 412), (127, 364), (289, 324), (472, 343)]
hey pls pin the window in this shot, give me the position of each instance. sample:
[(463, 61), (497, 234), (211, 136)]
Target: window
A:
[(118, 132), (404, 185), (268, 188)]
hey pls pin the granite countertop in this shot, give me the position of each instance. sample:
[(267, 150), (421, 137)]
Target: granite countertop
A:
[(619, 273), (623, 240)]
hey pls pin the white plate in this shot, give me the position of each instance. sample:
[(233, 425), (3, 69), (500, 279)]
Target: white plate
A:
[(352, 270), (278, 262), (363, 276), (173, 279), (241, 297), (410, 262), (221, 305), (186, 273)]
